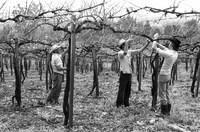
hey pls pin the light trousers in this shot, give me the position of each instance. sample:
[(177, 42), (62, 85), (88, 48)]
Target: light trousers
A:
[(164, 89)]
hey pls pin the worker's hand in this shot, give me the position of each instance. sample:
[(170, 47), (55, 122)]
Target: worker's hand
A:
[(154, 44), (155, 36), (129, 41)]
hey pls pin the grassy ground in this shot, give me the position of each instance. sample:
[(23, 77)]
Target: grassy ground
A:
[(98, 114)]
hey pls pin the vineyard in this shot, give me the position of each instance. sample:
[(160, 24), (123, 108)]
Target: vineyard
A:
[(90, 37)]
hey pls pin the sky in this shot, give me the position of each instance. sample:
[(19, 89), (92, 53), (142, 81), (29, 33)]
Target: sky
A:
[(184, 5)]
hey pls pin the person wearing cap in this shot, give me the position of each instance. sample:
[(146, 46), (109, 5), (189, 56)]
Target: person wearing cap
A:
[(124, 56), (170, 55), (57, 71)]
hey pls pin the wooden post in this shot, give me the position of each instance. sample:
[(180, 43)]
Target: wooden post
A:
[(198, 80), (154, 90), (40, 68), (186, 63), (17, 71), (132, 64), (11, 64), (195, 74), (25, 66), (47, 74), (95, 69), (72, 60), (140, 72), (66, 92), (1, 66)]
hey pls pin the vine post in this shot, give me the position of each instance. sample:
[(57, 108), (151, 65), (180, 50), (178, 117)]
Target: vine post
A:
[(69, 90), (140, 68), (72, 60)]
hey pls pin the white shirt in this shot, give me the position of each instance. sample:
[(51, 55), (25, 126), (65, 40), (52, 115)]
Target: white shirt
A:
[(125, 61), (55, 62), (170, 57)]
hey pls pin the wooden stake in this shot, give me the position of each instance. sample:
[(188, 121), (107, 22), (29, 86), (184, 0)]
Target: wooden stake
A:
[(72, 60)]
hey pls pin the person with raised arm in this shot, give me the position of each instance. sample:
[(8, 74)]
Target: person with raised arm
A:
[(124, 56), (170, 55)]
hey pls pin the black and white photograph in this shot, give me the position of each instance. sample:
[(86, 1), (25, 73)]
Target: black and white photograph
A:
[(99, 65)]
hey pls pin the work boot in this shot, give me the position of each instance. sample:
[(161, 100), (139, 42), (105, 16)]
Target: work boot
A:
[(168, 108), (164, 109)]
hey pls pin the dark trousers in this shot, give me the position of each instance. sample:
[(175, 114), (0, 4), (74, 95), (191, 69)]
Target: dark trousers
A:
[(124, 89), (55, 91)]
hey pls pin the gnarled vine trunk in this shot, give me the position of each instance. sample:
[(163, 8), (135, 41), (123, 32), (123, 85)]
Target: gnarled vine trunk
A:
[(195, 75), (174, 74), (11, 64), (67, 87), (95, 76), (40, 68), (155, 64), (25, 66), (139, 70), (2, 76), (17, 71)]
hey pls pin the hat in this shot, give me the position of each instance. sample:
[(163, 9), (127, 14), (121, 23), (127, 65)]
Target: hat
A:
[(121, 41), (175, 41), (54, 47)]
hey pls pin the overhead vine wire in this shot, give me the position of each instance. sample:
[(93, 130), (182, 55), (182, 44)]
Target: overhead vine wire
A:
[(170, 10), (20, 17), (96, 24)]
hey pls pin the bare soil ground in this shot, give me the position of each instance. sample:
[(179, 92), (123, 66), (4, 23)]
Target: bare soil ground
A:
[(98, 114)]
